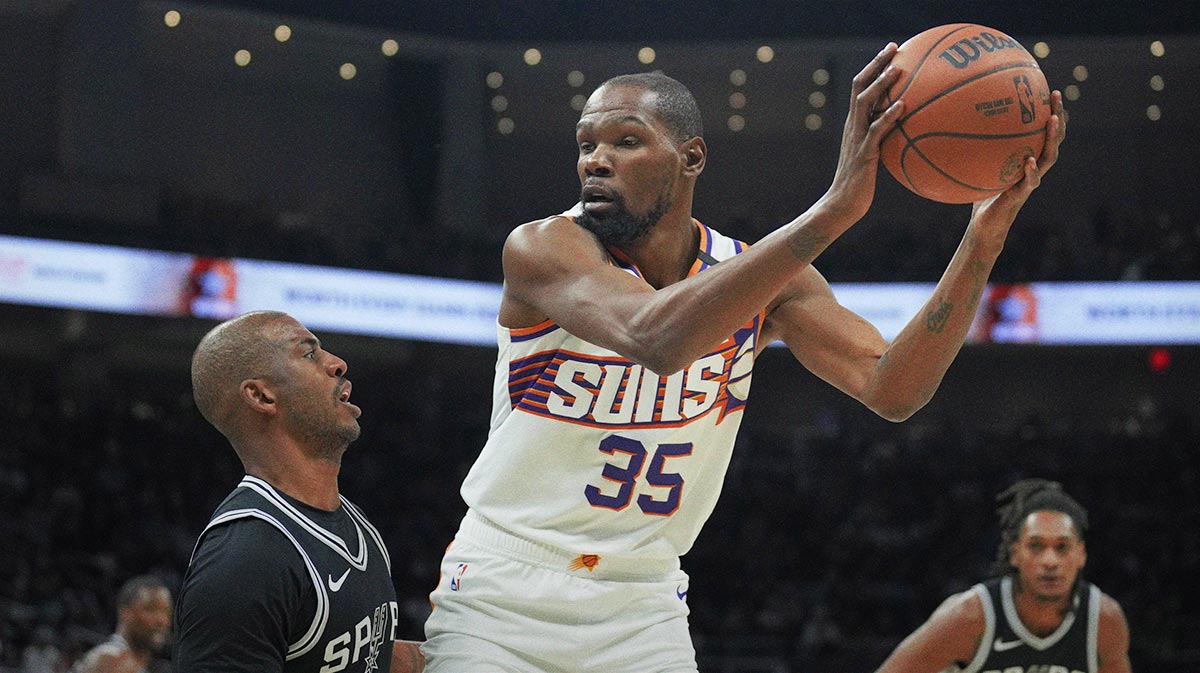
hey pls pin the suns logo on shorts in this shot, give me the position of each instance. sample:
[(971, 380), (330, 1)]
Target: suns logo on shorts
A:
[(589, 561), (612, 392)]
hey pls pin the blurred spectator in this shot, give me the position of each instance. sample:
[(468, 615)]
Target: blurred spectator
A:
[(144, 612)]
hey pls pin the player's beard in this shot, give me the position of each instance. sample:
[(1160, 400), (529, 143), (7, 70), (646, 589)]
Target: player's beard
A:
[(148, 640), (325, 434), (621, 227)]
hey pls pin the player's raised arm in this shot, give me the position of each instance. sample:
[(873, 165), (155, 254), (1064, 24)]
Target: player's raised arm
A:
[(554, 270), (637, 167), (950, 636), (912, 367), (897, 379)]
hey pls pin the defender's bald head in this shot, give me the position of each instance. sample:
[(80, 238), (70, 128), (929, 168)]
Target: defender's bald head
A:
[(236, 350)]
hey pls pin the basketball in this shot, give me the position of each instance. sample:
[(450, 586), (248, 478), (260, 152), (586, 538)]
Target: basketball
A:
[(975, 106)]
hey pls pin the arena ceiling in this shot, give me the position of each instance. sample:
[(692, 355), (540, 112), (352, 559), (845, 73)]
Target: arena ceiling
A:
[(619, 20)]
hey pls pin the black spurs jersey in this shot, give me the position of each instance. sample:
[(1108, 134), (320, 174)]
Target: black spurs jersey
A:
[(1008, 647), (277, 585)]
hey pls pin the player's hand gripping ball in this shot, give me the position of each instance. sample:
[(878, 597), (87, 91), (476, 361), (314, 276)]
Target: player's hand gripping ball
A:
[(975, 106)]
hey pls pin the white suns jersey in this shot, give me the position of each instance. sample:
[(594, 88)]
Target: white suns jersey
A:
[(594, 454)]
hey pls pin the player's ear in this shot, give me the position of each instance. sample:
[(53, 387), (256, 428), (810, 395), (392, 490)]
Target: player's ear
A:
[(259, 395), (695, 154)]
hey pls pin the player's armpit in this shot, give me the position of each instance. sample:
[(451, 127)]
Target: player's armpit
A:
[(1113, 638), (950, 636), (407, 657)]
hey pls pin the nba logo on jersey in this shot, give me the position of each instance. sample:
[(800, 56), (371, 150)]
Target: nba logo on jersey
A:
[(456, 581)]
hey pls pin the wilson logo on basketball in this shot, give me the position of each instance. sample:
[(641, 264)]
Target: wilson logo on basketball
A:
[(968, 50)]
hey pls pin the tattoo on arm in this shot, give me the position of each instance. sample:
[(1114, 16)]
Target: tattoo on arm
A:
[(979, 272), (973, 303), (806, 245), (935, 320)]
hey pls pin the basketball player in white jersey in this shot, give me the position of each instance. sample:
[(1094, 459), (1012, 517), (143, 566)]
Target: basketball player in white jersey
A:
[(288, 576), (1037, 613), (627, 335)]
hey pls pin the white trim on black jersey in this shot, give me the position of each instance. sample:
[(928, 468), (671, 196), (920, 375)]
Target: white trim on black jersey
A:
[(313, 635), (356, 513), (331, 540), (1018, 627), (1093, 631), (989, 630)]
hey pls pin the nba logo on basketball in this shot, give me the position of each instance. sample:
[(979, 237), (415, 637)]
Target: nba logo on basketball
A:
[(456, 581), (1025, 96)]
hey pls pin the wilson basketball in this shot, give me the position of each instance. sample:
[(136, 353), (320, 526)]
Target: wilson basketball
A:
[(975, 106)]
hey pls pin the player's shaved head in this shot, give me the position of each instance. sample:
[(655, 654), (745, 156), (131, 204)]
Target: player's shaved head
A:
[(235, 350), (673, 103)]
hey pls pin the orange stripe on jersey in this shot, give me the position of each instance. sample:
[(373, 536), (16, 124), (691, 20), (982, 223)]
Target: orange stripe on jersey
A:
[(534, 331), (620, 256), (522, 331), (698, 264)]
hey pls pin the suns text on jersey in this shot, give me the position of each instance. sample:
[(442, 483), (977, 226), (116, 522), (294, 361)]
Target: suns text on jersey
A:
[(613, 392)]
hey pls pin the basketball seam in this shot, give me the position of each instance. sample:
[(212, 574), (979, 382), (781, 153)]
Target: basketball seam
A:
[(920, 64), (910, 140), (912, 145), (925, 57), (904, 167), (980, 136)]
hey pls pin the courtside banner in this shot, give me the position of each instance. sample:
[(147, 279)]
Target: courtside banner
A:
[(367, 302), (1046, 313), (120, 280), (95, 277), (1118, 313)]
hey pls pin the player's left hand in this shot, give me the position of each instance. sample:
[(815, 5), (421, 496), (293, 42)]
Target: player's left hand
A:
[(996, 214), (853, 187)]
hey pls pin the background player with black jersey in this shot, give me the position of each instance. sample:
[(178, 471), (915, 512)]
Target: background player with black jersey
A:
[(288, 575), (1037, 613)]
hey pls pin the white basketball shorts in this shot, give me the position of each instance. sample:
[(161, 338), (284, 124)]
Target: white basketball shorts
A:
[(509, 605)]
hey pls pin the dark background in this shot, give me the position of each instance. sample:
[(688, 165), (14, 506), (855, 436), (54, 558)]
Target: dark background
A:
[(837, 532)]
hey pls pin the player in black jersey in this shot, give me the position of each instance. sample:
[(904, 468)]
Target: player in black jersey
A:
[(1037, 614), (288, 575)]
